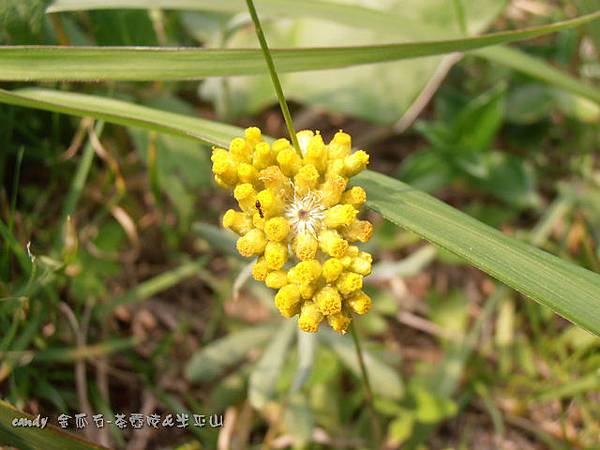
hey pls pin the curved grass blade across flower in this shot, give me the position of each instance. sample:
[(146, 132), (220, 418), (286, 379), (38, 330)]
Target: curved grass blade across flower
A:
[(30, 63), (564, 287)]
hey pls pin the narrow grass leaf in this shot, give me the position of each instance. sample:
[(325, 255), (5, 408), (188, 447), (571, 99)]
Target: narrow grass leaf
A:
[(385, 381), (212, 361), (30, 63), (33, 438), (264, 377)]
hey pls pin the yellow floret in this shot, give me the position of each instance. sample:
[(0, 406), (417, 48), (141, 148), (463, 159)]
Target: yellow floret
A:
[(316, 153), (240, 150), (246, 196), (305, 246), (258, 221), (340, 215), (260, 269), (237, 222), (339, 322), (262, 156), (253, 136), (329, 301), (305, 272), (362, 264), (307, 291), (332, 243), (279, 145), (271, 205), (276, 255), (287, 300), (274, 179), (226, 170), (348, 282), (252, 243), (355, 162), (359, 302), (277, 228), (247, 173), (340, 145), (332, 190), (332, 268), (310, 318), (304, 138), (219, 154), (355, 196), (276, 279), (360, 230), (306, 179), (289, 161), (335, 167)]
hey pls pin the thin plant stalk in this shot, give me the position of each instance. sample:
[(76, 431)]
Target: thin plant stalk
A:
[(274, 77), (367, 384)]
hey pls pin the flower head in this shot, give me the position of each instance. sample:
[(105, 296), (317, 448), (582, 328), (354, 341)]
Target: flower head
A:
[(299, 220)]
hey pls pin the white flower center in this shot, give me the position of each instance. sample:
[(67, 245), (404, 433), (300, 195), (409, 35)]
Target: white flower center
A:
[(305, 213)]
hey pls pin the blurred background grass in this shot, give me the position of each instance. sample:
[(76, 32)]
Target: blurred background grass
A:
[(137, 302)]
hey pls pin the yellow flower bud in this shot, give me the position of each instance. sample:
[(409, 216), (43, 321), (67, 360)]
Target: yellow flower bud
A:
[(279, 145), (310, 318), (253, 136), (304, 138), (274, 179), (222, 183), (252, 243), (262, 156), (316, 153), (306, 179), (258, 221), (237, 222), (276, 279), (305, 246), (360, 230), (305, 272), (287, 300), (277, 228), (240, 150), (349, 282), (307, 291), (355, 162), (340, 145), (340, 215), (276, 255), (260, 269), (332, 189), (332, 268), (219, 154), (329, 301), (339, 322), (247, 173), (335, 168), (270, 204), (226, 170), (289, 161), (359, 302), (362, 264), (332, 243), (246, 196), (355, 196)]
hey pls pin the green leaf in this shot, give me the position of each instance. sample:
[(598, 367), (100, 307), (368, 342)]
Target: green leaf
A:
[(210, 362), (28, 63), (384, 379), (263, 379), (569, 290), (48, 438)]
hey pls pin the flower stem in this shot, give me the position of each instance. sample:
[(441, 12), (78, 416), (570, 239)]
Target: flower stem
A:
[(368, 392), (274, 77)]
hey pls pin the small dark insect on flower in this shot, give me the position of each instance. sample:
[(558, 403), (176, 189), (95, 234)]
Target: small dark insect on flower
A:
[(259, 208)]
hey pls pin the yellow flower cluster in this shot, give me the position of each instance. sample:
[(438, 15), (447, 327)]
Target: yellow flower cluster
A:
[(299, 220)]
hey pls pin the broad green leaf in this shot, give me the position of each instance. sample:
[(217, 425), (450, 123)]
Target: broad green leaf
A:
[(384, 379), (48, 438), (569, 290), (264, 377), (211, 362), (28, 63)]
